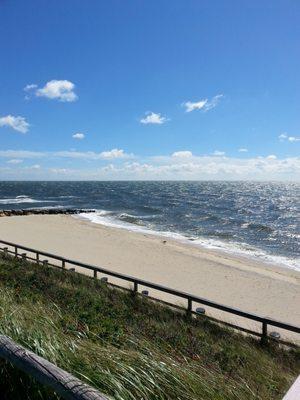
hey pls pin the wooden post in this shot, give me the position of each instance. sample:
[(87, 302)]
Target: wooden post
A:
[(189, 308), (37, 258), (5, 252), (264, 337), (23, 257), (63, 264), (64, 384), (16, 251), (45, 263), (135, 287), (95, 274)]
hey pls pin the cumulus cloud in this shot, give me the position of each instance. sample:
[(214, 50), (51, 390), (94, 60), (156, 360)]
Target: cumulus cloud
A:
[(114, 153), (243, 150), (153, 118), (218, 153), (291, 139), (19, 124), (271, 157), (182, 154), (78, 136), (61, 90), (204, 105), (91, 155)]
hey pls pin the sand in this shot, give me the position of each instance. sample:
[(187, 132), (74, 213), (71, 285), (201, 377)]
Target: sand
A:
[(250, 285)]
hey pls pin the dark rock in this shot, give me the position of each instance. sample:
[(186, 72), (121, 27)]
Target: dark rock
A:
[(45, 211)]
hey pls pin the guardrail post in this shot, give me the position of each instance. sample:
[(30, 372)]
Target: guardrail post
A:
[(16, 251), (45, 263), (5, 252), (264, 336), (23, 257), (37, 258), (135, 287), (95, 274), (63, 264), (189, 308)]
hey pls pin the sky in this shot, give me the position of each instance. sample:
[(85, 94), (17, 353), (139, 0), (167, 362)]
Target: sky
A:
[(140, 89)]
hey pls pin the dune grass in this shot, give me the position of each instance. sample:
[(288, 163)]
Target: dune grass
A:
[(129, 347)]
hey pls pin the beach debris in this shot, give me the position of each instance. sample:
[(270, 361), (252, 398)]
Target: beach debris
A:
[(145, 292), (275, 335), (200, 310), (164, 241)]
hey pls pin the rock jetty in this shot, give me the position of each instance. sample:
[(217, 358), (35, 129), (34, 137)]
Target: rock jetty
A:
[(44, 211)]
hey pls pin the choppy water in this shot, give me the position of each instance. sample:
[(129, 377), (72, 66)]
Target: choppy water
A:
[(256, 219)]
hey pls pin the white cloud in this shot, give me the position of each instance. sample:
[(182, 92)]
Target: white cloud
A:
[(191, 106), (19, 124), (153, 118), (14, 161), (204, 105), (29, 87), (91, 155), (114, 153), (292, 139), (62, 90), (218, 153), (283, 136), (182, 154), (271, 157), (78, 136), (243, 150), (162, 168), (21, 154)]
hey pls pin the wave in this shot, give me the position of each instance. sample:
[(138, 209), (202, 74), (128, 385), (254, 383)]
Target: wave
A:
[(22, 199), (111, 219), (257, 227)]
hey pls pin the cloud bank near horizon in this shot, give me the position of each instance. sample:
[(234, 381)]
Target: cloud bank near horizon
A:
[(116, 164)]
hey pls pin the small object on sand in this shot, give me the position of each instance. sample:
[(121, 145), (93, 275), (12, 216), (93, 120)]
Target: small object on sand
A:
[(145, 292), (275, 335), (164, 241), (104, 279), (200, 310)]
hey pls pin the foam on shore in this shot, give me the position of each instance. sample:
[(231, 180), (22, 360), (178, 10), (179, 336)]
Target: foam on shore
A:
[(107, 218)]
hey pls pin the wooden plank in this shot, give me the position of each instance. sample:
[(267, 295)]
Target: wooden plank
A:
[(63, 383)]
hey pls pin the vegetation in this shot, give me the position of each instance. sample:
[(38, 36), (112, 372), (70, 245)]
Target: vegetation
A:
[(129, 347)]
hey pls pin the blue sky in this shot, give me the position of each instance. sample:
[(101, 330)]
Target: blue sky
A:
[(149, 89)]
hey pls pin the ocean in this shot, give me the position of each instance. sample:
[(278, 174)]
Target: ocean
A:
[(260, 220)]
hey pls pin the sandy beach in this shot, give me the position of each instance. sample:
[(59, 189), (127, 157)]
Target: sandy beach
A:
[(264, 289)]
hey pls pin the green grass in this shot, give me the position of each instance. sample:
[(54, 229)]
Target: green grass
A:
[(129, 347)]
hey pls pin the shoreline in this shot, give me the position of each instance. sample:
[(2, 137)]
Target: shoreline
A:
[(253, 286), (234, 249)]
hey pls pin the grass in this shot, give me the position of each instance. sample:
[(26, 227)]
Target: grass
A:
[(129, 347)]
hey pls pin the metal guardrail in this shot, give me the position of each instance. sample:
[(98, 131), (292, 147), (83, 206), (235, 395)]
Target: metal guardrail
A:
[(265, 322)]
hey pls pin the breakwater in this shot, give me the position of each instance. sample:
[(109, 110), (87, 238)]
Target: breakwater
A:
[(44, 211)]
